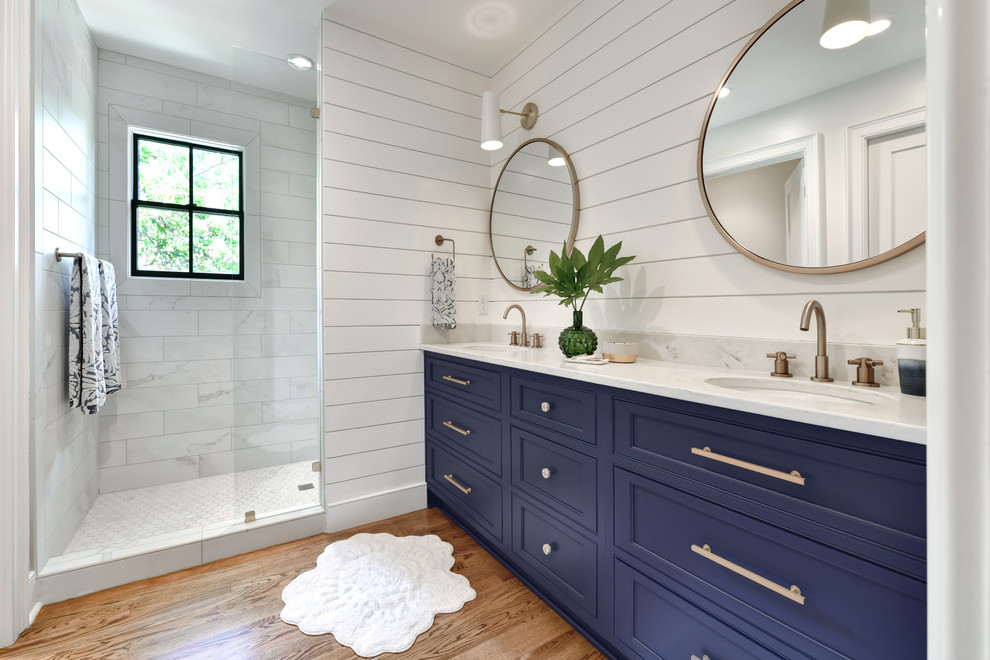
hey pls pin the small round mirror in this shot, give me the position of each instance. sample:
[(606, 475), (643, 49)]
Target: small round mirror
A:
[(534, 210)]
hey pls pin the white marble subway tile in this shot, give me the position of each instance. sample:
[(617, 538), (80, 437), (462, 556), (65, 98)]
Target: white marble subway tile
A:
[(281, 135), (216, 394), (134, 425), (57, 180), (287, 160), (247, 414), (247, 346), (114, 75), (129, 477), (242, 105), (306, 450), (300, 117), (288, 276), (198, 419), (302, 254), (264, 435), (274, 299), (257, 322), (303, 322), (305, 387), (55, 289), (141, 349), (302, 185), (55, 329), (215, 323), (143, 450), (273, 367), (113, 453), (290, 409), (274, 181), (275, 252), (198, 348), (267, 389), (173, 303), (55, 369), (205, 116), (156, 374), (285, 229), (147, 399), (137, 286), (158, 324), (288, 344), (246, 459)]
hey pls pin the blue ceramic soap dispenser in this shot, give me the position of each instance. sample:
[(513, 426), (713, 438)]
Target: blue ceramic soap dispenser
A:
[(911, 356)]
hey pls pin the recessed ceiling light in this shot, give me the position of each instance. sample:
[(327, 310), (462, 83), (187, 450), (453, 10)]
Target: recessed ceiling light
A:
[(725, 91), (878, 26), (297, 61)]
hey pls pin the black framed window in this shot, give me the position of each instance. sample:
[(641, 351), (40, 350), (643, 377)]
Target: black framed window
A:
[(187, 210)]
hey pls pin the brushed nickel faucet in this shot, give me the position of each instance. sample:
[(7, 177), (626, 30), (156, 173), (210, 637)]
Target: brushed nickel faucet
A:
[(821, 359), (524, 336)]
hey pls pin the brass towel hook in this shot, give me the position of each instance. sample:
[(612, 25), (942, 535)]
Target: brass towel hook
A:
[(440, 240)]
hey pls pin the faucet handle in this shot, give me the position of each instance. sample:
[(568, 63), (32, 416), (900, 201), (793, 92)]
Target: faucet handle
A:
[(864, 371), (537, 340), (780, 366), (513, 338)]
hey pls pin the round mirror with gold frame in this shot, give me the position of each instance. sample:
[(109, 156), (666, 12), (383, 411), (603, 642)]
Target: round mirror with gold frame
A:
[(812, 160), (534, 210)]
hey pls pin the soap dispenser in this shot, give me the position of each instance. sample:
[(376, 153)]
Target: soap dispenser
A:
[(911, 356)]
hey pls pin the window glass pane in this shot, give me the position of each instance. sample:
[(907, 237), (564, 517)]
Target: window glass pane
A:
[(216, 244), (162, 240), (216, 180), (163, 172)]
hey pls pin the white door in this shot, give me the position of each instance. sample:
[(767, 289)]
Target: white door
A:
[(796, 217), (898, 184)]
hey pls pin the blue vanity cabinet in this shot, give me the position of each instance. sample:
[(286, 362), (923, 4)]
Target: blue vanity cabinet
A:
[(662, 528)]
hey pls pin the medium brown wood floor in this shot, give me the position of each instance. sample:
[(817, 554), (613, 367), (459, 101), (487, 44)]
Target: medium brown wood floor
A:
[(230, 609)]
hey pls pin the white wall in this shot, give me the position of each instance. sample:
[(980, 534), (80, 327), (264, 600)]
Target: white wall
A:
[(401, 164), (65, 441), (219, 377), (623, 87)]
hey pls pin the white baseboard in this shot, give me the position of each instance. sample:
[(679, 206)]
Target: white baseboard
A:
[(360, 511)]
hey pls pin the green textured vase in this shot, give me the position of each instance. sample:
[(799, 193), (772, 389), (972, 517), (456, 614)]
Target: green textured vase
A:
[(577, 339)]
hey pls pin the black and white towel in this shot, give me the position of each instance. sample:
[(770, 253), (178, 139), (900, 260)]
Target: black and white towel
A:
[(109, 329), (529, 280), (94, 353), (444, 309)]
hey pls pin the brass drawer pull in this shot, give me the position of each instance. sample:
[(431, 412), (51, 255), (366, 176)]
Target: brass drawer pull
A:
[(450, 425), (794, 476), (450, 478), (793, 593), (457, 380), (546, 548), (545, 406), (545, 472)]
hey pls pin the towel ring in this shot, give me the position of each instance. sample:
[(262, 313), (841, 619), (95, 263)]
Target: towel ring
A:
[(440, 240)]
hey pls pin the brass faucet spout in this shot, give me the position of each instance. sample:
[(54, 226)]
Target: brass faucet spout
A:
[(525, 337), (821, 359)]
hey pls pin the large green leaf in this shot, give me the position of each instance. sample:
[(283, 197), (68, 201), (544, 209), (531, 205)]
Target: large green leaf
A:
[(573, 276)]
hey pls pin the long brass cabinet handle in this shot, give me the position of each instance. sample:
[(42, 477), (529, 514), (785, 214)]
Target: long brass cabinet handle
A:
[(793, 476), (794, 593), (450, 425), (457, 380), (450, 478)]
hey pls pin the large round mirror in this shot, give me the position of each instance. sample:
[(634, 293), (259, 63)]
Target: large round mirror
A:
[(534, 210), (812, 159)]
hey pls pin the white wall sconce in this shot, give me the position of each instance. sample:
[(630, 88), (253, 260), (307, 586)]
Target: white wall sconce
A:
[(846, 22), (491, 124)]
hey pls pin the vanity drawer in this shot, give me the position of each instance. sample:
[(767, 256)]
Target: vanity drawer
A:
[(467, 491), (476, 434), (876, 487), (655, 622), (563, 409), (851, 607), (471, 383), (558, 477), (562, 558)]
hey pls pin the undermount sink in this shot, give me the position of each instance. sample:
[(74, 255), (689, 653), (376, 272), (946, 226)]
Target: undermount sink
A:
[(792, 389), (493, 348)]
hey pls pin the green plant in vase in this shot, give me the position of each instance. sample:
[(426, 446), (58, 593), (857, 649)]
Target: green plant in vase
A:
[(571, 278)]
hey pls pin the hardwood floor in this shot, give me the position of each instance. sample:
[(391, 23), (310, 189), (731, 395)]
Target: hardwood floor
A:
[(230, 609)]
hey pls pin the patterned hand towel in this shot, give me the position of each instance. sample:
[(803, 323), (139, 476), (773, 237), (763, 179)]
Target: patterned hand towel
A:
[(109, 331), (444, 310), (87, 387), (529, 280)]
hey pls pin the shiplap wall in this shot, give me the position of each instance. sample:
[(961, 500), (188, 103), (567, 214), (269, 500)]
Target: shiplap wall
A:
[(623, 87), (401, 164), (65, 441)]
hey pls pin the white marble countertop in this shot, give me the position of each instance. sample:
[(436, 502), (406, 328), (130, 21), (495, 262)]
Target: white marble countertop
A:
[(890, 414)]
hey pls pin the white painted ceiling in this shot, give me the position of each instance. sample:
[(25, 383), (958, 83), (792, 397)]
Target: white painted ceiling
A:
[(247, 40)]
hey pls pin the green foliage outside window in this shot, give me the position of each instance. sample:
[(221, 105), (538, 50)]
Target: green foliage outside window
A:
[(187, 221)]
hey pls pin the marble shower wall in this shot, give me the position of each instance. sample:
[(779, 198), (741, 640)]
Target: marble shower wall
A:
[(219, 378)]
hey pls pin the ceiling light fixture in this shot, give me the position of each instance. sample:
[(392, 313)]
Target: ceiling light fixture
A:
[(300, 62), (491, 123), (554, 159), (878, 26), (846, 23)]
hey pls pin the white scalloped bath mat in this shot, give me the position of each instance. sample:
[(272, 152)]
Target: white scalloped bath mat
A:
[(376, 592)]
